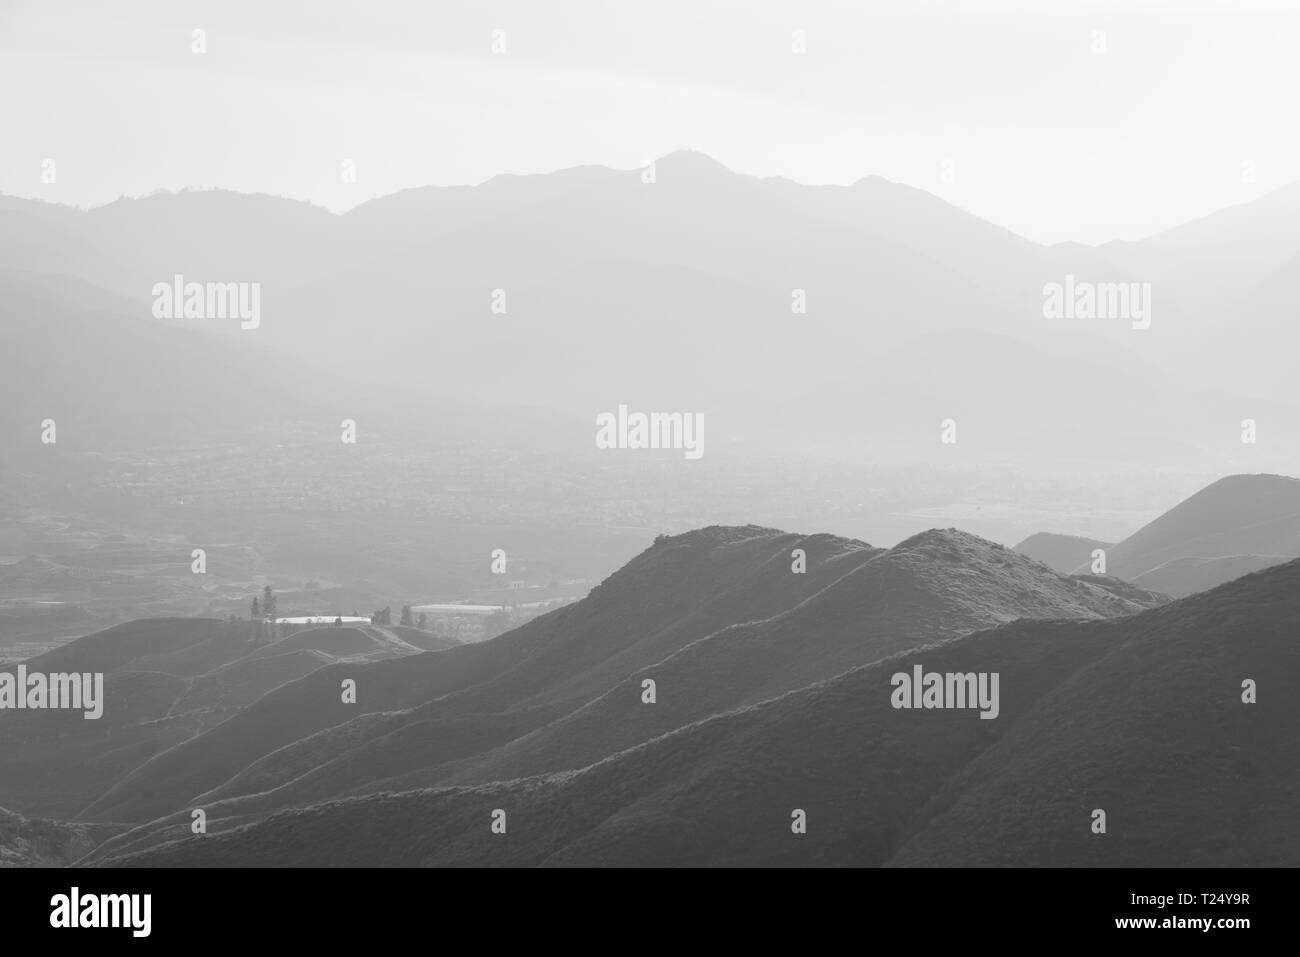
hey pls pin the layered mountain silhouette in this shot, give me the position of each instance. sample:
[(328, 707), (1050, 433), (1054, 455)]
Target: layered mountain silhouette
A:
[(727, 681), (1064, 553), (1237, 525), (1015, 397), (217, 388), (1140, 716), (770, 696), (165, 680), (891, 279), (565, 691), (546, 668), (1240, 515)]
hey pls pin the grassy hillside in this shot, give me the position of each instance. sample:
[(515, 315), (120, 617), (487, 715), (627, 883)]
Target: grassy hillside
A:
[(54, 763), (1236, 516), (1154, 733), (680, 590), (181, 646), (931, 587), (166, 680), (27, 842), (1186, 576), (1138, 715)]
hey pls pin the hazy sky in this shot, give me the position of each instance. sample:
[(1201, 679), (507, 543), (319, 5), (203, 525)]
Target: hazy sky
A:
[(1045, 135)]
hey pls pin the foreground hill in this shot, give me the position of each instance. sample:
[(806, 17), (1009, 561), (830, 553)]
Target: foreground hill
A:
[(178, 646), (25, 842), (53, 763), (165, 680), (931, 587), (576, 696), (1140, 716), (675, 593), (1186, 576)]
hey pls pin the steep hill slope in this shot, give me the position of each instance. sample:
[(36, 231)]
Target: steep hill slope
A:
[(149, 644), (1186, 576), (1140, 716), (1156, 734), (934, 586), (929, 588), (1239, 515), (166, 680), (26, 842), (676, 592)]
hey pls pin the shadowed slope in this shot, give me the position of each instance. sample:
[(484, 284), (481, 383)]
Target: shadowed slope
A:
[(933, 586), (1140, 715), (1062, 553), (1236, 516), (677, 591)]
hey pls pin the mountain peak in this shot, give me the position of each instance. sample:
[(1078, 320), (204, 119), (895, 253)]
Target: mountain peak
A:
[(944, 538), (718, 534), (1235, 517), (691, 163)]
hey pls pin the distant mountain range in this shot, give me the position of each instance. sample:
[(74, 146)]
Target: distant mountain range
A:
[(697, 273), (166, 387)]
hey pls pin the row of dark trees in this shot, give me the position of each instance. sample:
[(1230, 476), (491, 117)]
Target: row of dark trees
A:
[(266, 608), (385, 617)]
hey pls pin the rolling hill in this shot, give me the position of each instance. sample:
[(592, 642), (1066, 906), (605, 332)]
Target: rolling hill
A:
[(1063, 553), (573, 696), (165, 681), (664, 599), (1234, 526), (1140, 716), (1186, 576), (26, 842), (1237, 524)]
